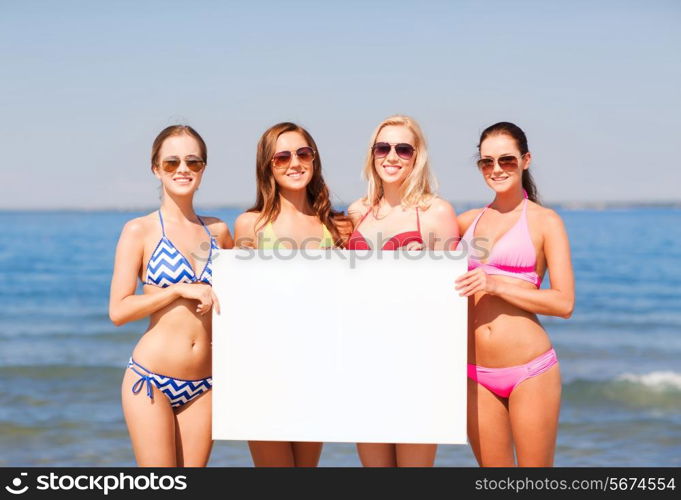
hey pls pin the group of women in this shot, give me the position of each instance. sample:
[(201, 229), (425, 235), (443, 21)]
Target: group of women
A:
[(513, 372)]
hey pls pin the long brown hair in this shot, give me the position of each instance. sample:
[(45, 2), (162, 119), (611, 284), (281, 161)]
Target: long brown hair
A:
[(267, 201), (517, 134)]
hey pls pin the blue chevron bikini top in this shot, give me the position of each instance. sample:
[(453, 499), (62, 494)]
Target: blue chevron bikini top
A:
[(167, 265)]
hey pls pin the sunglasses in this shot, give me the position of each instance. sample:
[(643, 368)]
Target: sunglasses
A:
[(282, 159), (173, 163), (506, 162), (403, 150)]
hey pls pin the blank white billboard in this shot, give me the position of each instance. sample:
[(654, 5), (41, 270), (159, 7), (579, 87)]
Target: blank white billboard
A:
[(339, 346)]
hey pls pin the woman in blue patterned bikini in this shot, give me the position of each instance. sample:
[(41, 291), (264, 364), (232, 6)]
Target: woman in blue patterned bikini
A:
[(166, 389)]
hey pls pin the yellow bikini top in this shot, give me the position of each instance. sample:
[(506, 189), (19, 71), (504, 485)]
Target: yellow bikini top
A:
[(269, 240)]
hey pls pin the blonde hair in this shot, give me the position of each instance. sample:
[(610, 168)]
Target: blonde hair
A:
[(417, 190)]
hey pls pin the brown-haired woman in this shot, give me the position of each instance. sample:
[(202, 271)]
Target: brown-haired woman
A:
[(514, 379), (166, 390), (292, 210)]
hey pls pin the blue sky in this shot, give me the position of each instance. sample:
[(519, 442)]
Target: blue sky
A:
[(85, 88)]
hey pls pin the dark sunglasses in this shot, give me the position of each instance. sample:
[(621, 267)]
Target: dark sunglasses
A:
[(173, 163), (282, 159), (505, 162), (403, 150)]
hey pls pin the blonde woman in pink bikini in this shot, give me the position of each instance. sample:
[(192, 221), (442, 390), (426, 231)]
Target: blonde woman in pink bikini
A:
[(513, 373)]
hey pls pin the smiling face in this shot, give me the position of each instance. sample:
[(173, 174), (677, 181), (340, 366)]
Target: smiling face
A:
[(298, 173), (505, 175), (183, 180), (392, 168)]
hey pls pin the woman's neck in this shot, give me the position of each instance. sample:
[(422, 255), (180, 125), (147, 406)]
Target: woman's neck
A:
[(179, 207), (392, 196), (508, 200), (294, 201)]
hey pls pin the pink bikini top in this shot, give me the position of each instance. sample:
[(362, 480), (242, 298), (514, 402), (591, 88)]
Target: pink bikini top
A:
[(513, 254)]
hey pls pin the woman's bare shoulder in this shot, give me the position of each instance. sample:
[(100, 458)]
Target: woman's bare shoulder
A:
[(244, 225), (215, 224), (439, 207), (246, 219), (140, 226), (466, 218), (544, 215), (358, 207)]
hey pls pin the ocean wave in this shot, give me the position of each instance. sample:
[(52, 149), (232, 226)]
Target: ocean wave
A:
[(660, 381), (658, 390)]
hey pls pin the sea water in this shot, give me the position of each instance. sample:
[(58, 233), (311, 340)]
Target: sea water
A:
[(62, 360)]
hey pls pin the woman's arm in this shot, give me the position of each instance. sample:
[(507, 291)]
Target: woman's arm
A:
[(558, 301), (441, 226), (244, 230), (220, 232), (124, 305)]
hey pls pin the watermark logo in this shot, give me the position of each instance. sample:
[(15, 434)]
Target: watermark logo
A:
[(15, 488), (288, 248), (99, 483)]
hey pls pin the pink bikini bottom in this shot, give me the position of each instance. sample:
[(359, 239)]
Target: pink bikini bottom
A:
[(502, 381)]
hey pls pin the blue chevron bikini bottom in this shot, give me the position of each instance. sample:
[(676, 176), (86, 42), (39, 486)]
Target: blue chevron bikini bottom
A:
[(177, 390)]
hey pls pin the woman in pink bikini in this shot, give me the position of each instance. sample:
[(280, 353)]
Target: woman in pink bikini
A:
[(514, 379), (400, 203)]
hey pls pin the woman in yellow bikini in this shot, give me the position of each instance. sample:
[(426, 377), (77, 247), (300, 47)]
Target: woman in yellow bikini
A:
[(292, 210)]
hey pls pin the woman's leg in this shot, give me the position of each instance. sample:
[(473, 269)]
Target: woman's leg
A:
[(306, 454), (193, 431), (377, 454), (272, 453), (534, 408), (285, 453), (151, 424), (415, 455), (489, 427)]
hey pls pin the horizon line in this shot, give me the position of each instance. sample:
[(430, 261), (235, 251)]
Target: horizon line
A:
[(567, 205)]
